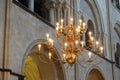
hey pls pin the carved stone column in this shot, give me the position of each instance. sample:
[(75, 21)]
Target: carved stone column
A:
[(51, 6), (58, 9), (65, 7), (31, 5), (68, 12)]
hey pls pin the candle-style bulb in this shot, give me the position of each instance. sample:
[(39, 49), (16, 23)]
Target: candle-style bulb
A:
[(71, 21), (62, 22), (82, 43), (57, 24), (50, 55), (97, 43), (101, 49), (89, 55), (76, 42), (90, 33), (47, 35), (51, 42), (57, 28), (80, 22), (64, 55), (65, 44), (39, 47), (83, 24), (92, 38)]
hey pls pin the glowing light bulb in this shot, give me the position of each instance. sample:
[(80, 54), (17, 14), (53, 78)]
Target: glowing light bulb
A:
[(71, 20), (84, 25), (50, 55), (90, 33), (62, 22), (76, 42), (92, 38), (101, 49), (39, 47), (97, 43), (89, 55), (64, 55), (47, 36), (65, 44), (80, 22), (82, 43), (51, 42), (57, 24)]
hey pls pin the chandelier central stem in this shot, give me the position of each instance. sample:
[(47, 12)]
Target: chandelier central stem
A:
[(71, 8)]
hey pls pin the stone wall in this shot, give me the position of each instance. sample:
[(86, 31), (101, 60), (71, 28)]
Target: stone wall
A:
[(2, 18), (26, 28)]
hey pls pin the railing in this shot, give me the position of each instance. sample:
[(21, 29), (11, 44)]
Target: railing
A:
[(32, 13), (19, 76), (37, 6)]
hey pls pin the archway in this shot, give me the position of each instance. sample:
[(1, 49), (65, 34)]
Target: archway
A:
[(95, 75), (38, 67)]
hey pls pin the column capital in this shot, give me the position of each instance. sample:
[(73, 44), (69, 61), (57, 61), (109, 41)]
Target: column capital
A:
[(58, 4), (50, 4), (64, 4)]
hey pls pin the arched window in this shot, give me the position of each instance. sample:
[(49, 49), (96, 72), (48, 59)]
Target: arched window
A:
[(117, 54), (41, 9), (38, 66), (116, 3), (95, 75), (24, 2), (89, 29), (117, 39), (37, 6)]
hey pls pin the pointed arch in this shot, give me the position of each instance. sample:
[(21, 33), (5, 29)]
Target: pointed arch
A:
[(56, 69)]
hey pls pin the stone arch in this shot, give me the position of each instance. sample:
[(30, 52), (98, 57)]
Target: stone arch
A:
[(58, 72), (117, 54), (117, 29), (90, 28), (100, 29), (95, 73), (117, 43), (41, 8), (97, 15)]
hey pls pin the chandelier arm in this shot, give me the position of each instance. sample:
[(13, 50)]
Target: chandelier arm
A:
[(47, 62), (56, 58)]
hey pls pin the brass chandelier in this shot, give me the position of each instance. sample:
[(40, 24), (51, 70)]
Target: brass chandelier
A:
[(73, 46)]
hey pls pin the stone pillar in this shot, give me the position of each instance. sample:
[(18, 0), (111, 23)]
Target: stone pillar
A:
[(68, 13), (51, 16), (119, 2), (31, 5), (58, 7), (65, 12), (65, 17), (51, 7)]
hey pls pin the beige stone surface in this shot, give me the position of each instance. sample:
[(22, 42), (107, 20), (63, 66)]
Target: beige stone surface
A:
[(2, 16), (26, 28)]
